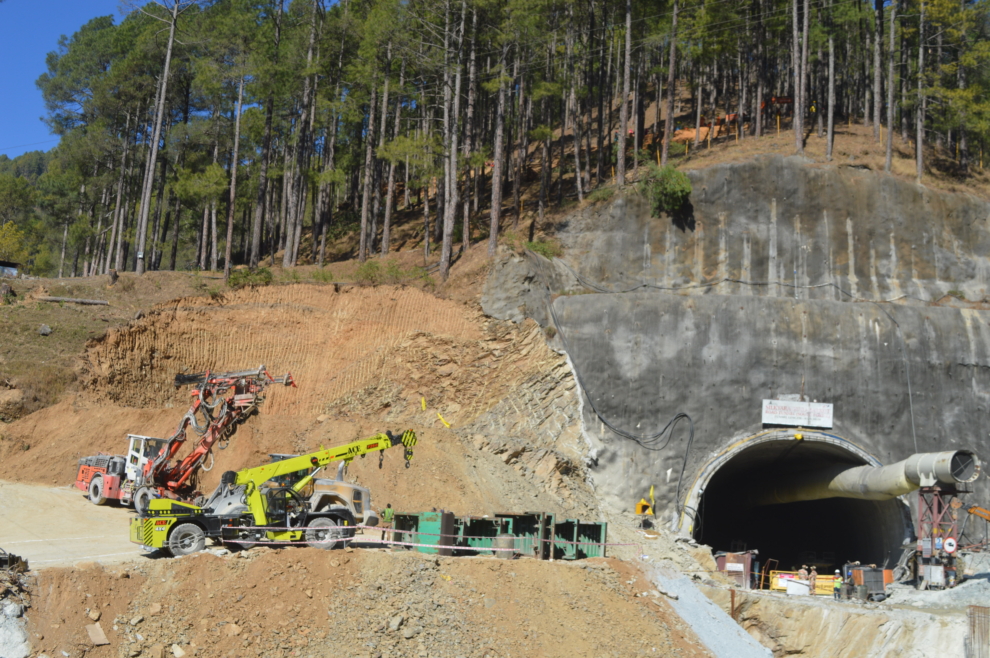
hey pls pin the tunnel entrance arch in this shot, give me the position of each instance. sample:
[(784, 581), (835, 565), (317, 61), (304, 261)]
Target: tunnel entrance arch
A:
[(720, 510)]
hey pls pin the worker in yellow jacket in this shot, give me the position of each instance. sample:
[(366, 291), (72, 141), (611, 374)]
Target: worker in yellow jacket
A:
[(837, 585)]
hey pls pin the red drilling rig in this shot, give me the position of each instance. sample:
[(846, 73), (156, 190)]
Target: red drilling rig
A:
[(220, 401)]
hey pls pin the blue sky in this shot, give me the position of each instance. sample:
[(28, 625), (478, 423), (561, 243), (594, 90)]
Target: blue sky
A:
[(29, 30)]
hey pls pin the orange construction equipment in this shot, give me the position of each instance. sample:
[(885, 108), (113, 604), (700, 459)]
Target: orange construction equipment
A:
[(220, 402)]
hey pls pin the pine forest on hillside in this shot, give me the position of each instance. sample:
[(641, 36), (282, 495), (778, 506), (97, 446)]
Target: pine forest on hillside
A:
[(207, 135)]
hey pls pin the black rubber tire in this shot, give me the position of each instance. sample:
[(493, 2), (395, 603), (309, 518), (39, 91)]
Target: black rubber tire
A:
[(186, 539), (318, 534), (96, 491), (141, 499)]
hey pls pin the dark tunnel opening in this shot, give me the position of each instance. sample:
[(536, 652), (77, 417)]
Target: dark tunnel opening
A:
[(824, 533)]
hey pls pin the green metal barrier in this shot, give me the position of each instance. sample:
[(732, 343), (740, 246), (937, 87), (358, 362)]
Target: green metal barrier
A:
[(536, 534)]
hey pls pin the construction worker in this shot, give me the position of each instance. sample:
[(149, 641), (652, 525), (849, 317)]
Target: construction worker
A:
[(803, 572), (812, 579), (387, 515), (837, 585)]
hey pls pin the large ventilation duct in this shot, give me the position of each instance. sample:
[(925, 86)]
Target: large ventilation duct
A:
[(870, 482)]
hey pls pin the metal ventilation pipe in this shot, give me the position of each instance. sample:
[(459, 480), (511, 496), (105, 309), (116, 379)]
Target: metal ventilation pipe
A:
[(871, 482)]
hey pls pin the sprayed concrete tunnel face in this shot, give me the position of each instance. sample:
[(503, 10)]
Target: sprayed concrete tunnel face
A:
[(826, 532)]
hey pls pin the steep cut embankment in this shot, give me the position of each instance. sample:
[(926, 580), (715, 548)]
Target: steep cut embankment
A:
[(366, 360), (328, 337)]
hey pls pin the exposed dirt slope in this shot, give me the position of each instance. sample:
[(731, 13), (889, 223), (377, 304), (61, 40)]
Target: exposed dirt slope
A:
[(445, 472), (306, 602), (37, 369), (324, 337)]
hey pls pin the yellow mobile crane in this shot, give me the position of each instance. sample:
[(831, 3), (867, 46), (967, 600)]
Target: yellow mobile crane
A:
[(244, 510)]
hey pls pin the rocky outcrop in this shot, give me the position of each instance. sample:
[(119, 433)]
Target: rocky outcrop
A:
[(780, 227), (11, 403)]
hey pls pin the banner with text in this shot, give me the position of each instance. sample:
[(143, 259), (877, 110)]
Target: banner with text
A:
[(794, 413)]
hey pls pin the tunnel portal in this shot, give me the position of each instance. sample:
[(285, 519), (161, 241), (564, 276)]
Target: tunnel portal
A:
[(824, 533)]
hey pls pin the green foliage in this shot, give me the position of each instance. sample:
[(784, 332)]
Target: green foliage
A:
[(369, 272), (201, 186), (541, 133), (667, 189), (375, 272), (601, 194), (392, 273), (246, 278), (548, 248), (11, 243), (323, 275), (100, 84), (16, 197), (28, 165)]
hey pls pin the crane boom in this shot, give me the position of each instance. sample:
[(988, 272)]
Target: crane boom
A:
[(245, 508), (253, 478)]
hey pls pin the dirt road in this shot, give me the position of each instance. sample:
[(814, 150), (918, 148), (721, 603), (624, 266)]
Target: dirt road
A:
[(57, 526)]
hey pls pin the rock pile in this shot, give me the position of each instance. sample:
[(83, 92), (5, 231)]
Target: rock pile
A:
[(307, 603)]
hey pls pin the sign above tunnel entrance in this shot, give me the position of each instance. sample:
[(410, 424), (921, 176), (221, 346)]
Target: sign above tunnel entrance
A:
[(797, 414)]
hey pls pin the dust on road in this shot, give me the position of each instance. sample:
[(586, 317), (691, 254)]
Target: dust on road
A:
[(58, 526)]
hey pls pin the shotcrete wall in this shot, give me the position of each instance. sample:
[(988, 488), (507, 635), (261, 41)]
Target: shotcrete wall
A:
[(766, 289), (779, 223), (642, 357)]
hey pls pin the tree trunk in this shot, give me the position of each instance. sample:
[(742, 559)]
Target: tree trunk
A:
[(521, 132), (233, 181), (620, 159), (158, 214), (796, 69), (877, 67), (297, 201), (390, 192), (376, 204), (124, 212), (65, 237), (497, 164), (175, 234), (213, 203), (804, 74), (760, 73), (904, 81), (890, 91), (450, 207), (214, 247), (668, 126), (920, 111), (699, 95), (266, 147), (830, 137), (575, 127), (142, 225), (469, 131), (741, 95), (117, 211), (368, 176)]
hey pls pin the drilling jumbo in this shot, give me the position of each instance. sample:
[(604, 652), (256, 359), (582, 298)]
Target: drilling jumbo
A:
[(248, 508), (221, 401)]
